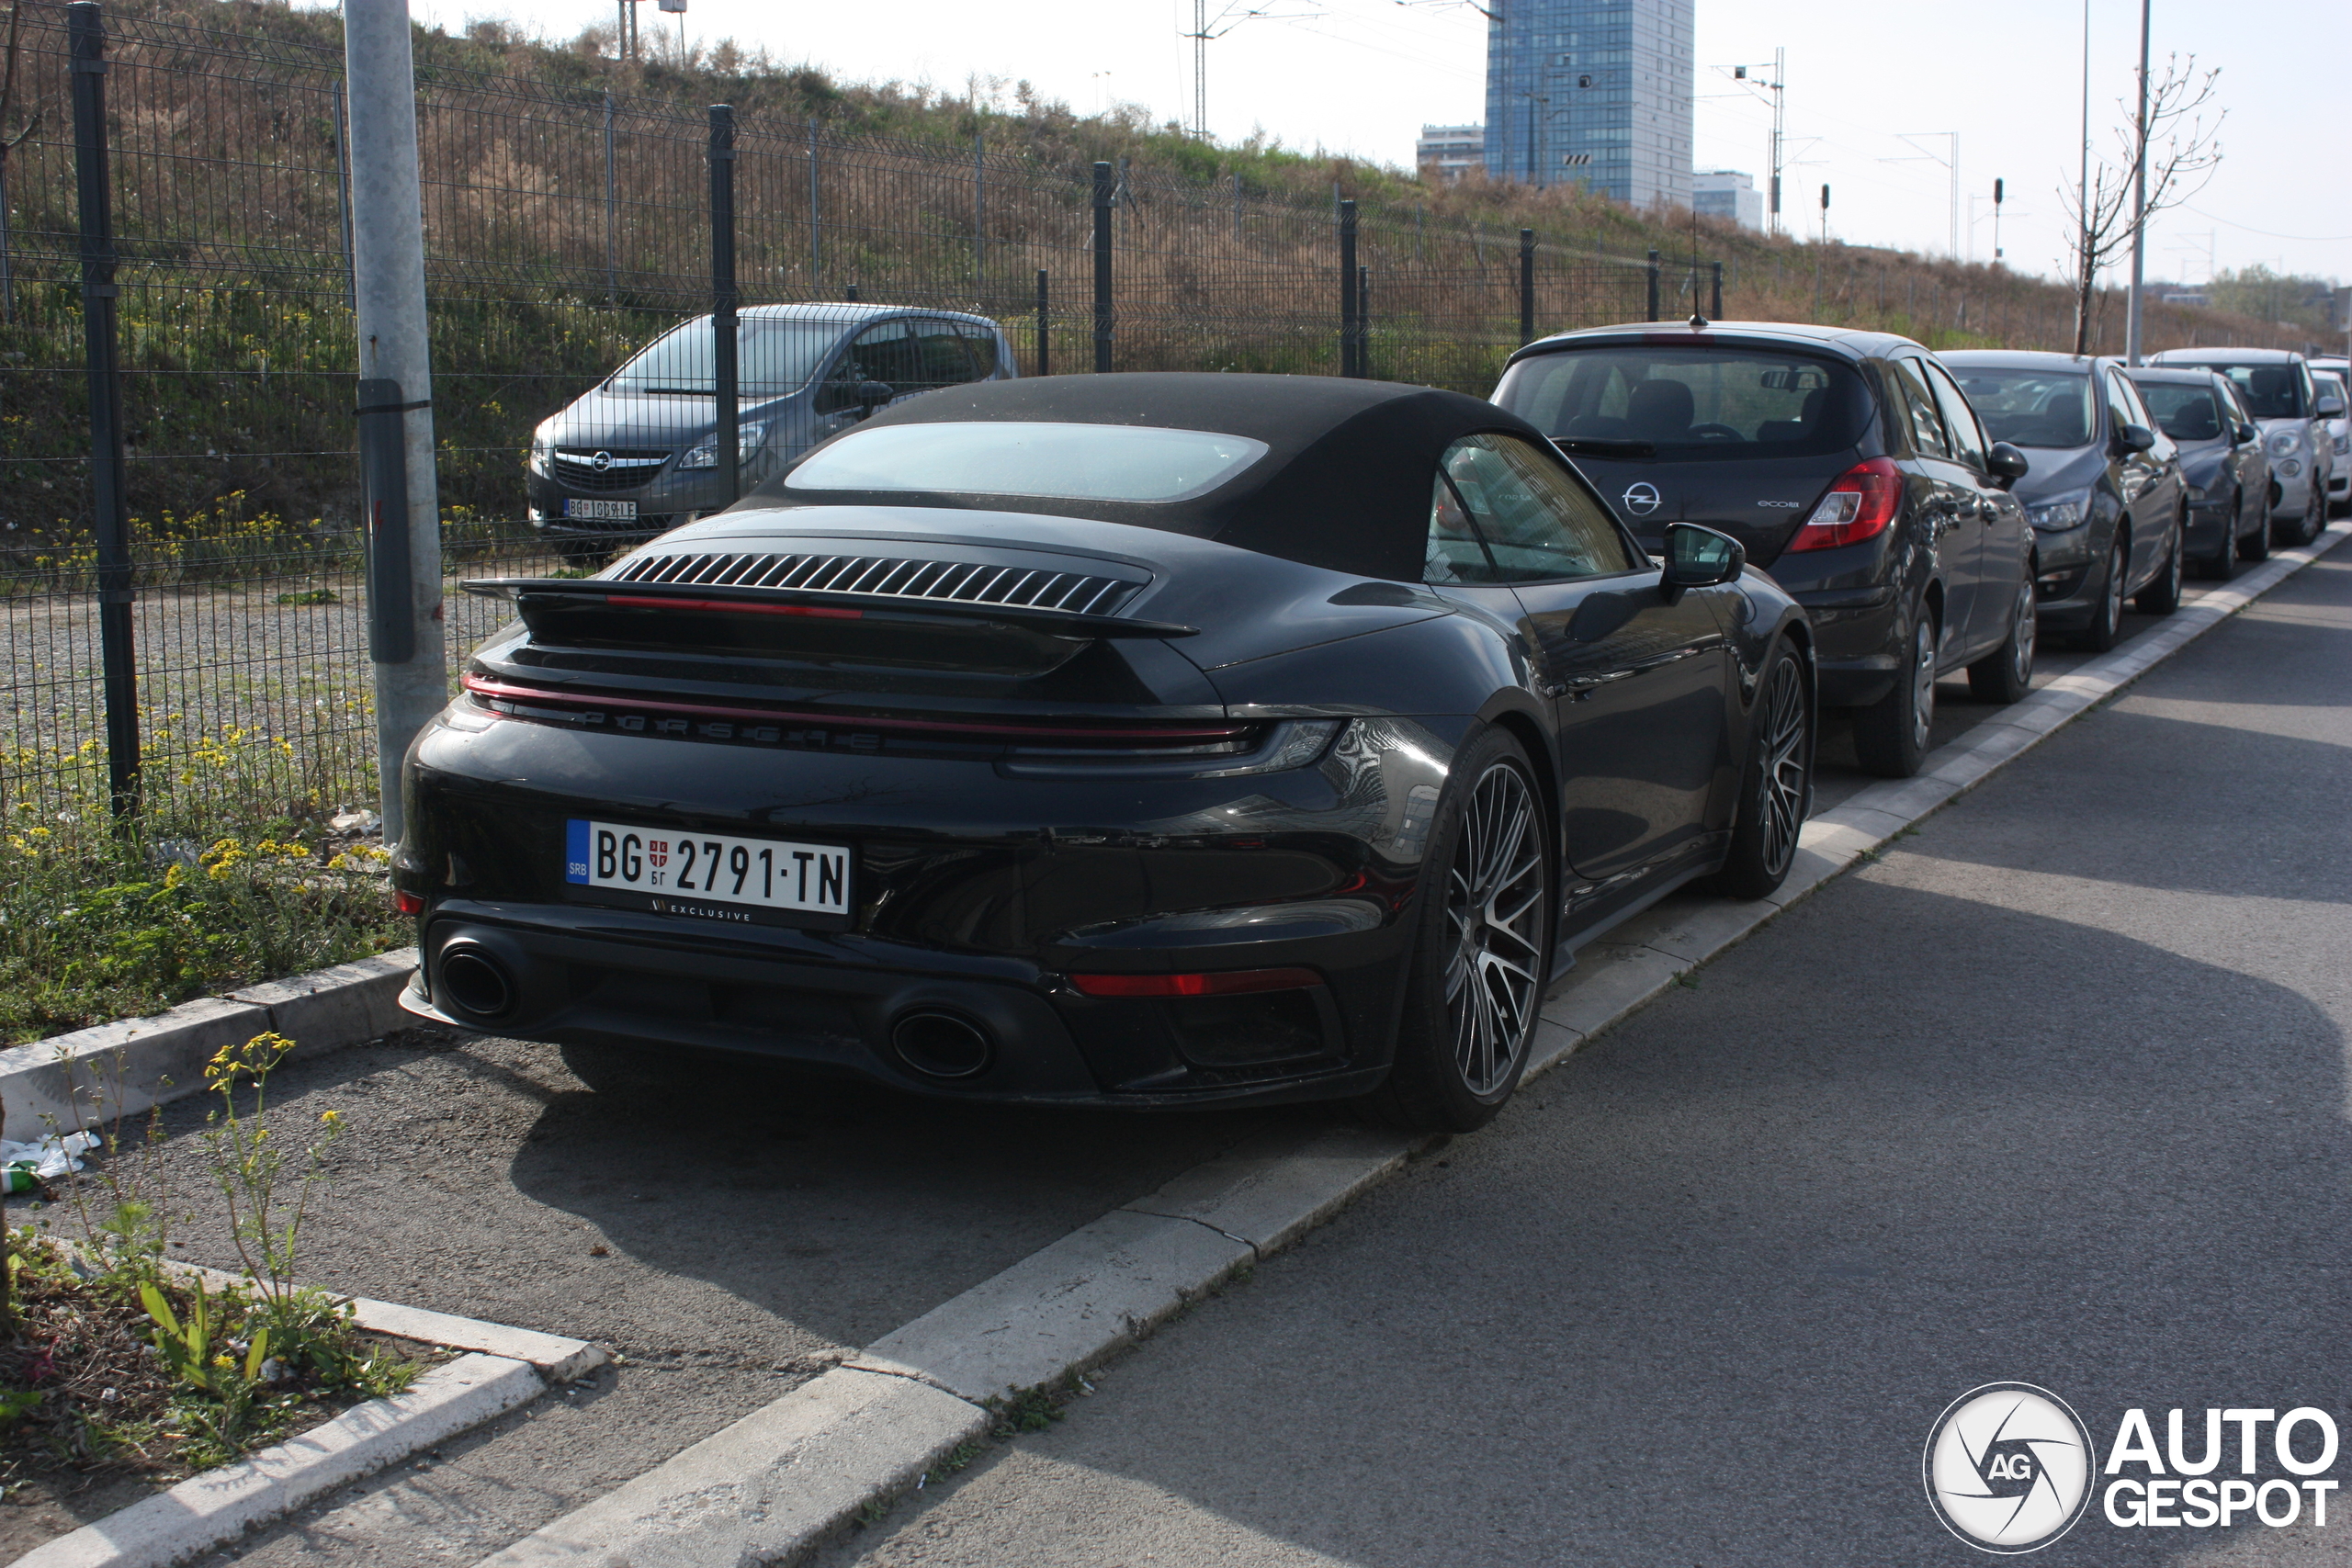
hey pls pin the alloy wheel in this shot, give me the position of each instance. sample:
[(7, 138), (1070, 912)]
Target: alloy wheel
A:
[(1782, 756), (1923, 683), (1494, 908)]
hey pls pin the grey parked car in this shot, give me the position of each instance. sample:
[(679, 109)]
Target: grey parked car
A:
[(2277, 385), (2222, 461), (639, 454), (2105, 494)]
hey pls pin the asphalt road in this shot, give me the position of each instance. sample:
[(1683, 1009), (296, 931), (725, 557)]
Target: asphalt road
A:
[(2054, 1091)]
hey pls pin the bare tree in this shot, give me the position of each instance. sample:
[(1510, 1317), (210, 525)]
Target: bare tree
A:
[(8, 144), (2180, 147)]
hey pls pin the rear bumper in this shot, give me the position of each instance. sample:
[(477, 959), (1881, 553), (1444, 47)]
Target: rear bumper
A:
[(1020, 1034), (1856, 648)]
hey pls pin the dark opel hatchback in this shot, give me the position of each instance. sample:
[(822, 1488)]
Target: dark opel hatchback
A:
[(1848, 464), (1150, 741)]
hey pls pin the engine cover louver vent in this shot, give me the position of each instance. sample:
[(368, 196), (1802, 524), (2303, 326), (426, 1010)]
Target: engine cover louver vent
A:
[(964, 582)]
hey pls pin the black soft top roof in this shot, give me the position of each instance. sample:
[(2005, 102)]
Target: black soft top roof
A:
[(1344, 483)]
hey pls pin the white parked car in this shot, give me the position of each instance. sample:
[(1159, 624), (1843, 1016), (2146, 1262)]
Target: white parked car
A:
[(2326, 376)]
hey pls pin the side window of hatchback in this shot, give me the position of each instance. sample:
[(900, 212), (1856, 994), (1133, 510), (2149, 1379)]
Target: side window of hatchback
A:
[(1919, 411)]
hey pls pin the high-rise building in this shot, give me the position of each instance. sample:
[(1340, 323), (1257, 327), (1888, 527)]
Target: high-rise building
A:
[(1448, 152), (1592, 92), (1728, 193)]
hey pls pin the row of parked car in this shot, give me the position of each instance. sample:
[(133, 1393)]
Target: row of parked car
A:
[(2117, 480), (1173, 740)]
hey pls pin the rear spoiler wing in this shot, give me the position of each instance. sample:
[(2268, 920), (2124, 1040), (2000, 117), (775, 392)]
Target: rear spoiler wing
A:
[(817, 604)]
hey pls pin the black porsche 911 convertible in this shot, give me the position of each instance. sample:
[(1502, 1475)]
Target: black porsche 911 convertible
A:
[(1143, 740)]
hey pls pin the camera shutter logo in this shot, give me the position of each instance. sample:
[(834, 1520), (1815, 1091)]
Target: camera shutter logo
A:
[(2008, 1468), (1641, 499)]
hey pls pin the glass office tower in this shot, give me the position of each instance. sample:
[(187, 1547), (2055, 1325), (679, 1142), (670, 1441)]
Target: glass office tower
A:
[(1592, 92)]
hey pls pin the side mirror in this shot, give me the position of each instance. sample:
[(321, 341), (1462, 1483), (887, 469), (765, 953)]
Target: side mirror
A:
[(2135, 437), (1701, 558), (2244, 434), (2007, 464), (2329, 406), (872, 395)]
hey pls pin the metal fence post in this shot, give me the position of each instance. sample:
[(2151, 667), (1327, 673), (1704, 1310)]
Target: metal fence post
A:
[(723, 298), (86, 30), (1348, 288), (980, 205), (1044, 328), (1363, 321), (1527, 286), (1716, 304), (1105, 185), (612, 213), (816, 210), (1654, 278)]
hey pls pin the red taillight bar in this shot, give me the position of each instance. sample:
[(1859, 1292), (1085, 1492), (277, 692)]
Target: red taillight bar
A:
[(1219, 983), (482, 687), (407, 903)]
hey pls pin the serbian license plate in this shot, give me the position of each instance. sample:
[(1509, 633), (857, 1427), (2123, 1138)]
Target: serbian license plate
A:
[(601, 511), (692, 873)]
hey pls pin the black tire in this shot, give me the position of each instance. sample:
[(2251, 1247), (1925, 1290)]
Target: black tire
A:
[(1475, 982), (2006, 674), (2107, 615), (2303, 529), (2255, 544), (1891, 735), (2162, 595), (1777, 791)]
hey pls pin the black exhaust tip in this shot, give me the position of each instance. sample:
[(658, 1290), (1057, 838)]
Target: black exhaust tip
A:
[(475, 982), (941, 1045)]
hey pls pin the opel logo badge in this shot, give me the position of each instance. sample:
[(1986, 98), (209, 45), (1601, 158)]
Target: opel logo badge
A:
[(604, 460), (1641, 499)]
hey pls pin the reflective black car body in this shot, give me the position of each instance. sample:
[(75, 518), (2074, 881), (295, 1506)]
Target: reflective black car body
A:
[(1937, 583), (2104, 495), (1070, 745), (2223, 464)]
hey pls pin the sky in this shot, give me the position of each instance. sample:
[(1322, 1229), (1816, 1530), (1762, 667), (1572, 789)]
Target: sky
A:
[(1360, 77)]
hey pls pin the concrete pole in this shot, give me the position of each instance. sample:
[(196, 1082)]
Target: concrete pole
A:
[(388, 276), (2139, 201)]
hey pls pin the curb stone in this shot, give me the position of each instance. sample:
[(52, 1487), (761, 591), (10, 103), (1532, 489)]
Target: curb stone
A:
[(787, 1477), (211, 1509), (162, 1058), (555, 1357)]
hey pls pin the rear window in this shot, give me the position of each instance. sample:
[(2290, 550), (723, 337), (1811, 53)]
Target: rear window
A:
[(1071, 462), (1693, 402), (2183, 412), (2272, 391), (2031, 408)]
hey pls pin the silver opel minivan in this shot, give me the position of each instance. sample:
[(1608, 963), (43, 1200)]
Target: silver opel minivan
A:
[(639, 454)]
